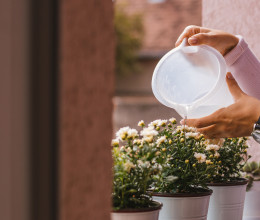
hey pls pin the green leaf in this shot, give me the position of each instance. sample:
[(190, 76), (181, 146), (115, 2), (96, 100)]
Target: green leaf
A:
[(247, 168), (132, 191), (254, 165)]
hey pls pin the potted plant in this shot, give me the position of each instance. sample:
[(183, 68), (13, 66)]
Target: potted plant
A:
[(185, 169), (227, 201), (133, 173), (252, 200)]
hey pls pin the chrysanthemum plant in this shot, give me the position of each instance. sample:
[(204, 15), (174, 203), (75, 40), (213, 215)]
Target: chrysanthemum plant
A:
[(230, 158), (133, 169), (183, 157)]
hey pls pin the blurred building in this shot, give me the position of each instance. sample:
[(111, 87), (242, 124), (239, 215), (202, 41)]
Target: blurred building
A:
[(163, 21)]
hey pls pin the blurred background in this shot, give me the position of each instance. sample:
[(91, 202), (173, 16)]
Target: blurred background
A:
[(72, 73), (145, 31)]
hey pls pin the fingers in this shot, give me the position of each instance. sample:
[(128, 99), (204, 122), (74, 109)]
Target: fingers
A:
[(188, 32), (212, 126), (201, 122), (234, 88), (205, 127), (209, 132), (202, 38), (214, 131)]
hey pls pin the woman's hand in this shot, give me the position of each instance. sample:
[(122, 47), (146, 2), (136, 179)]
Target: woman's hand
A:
[(236, 120), (220, 40)]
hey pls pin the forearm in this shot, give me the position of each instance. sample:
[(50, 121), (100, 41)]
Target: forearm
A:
[(245, 68)]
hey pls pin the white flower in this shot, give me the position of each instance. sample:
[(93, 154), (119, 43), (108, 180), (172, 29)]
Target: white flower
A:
[(185, 128), (192, 129), (141, 123), (148, 139), (126, 132), (171, 178), (132, 133), (241, 139), (145, 164), (146, 132), (122, 133), (200, 157), (191, 135), (162, 123), (140, 162), (154, 123), (115, 142), (135, 148), (212, 147), (128, 166), (161, 140), (216, 155), (179, 127), (158, 122), (137, 141), (172, 120)]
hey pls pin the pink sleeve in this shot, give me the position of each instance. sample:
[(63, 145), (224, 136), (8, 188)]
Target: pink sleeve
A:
[(245, 68)]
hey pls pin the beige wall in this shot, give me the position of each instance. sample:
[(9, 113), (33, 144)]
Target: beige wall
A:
[(85, 109), (235, 16)]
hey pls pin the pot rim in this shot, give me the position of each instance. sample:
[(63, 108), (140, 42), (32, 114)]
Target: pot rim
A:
[(193, 194), (158, 206), (241, 181)]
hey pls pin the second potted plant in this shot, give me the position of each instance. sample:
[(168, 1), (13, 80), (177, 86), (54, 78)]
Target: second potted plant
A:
[(185, 170)]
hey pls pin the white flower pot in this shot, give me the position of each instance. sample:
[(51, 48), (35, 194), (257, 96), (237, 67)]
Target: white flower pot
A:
[(137, 214), (252, 203), (227, 201), (193, 207)]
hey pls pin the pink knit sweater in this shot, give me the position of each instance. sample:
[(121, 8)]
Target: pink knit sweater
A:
[(245, 68)]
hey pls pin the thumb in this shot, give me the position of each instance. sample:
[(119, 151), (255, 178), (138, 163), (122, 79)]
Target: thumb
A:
[(198, 39), (233, 87)]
